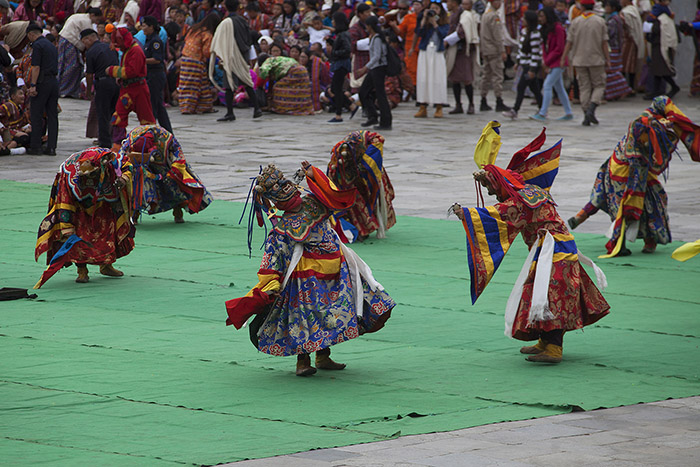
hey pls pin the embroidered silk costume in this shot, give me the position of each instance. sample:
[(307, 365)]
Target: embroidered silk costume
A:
[(87, 201), (313, 291), (627, 185), (553, 293), (357, 162), (163, 179)]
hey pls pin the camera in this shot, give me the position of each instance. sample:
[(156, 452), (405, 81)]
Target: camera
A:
[(430, 13)]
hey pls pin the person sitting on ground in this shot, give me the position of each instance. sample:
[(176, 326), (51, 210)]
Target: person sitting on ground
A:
[(15, 123)]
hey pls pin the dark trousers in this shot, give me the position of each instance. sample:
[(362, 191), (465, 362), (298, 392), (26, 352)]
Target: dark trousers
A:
[(106, 95), (555, 337), (339, 97), (156, 85), (525, 82), (252, 97), (373, 89), (45, 102)]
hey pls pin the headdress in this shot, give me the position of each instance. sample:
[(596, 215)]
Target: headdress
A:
[(269, 187), (539, 169), (125, 35)]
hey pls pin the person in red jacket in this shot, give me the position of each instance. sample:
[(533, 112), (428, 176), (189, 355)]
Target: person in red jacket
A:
[(133, 93), (553, 42)]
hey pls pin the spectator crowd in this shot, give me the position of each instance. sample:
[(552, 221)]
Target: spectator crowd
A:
[(300, 57)]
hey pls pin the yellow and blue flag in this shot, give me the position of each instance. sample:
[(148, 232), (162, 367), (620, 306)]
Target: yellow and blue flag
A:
[(541, 169), (488, 241)]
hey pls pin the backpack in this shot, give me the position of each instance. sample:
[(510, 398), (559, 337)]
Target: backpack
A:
[(393, 62)]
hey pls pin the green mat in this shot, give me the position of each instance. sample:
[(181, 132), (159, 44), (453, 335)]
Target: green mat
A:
[(142, 370)]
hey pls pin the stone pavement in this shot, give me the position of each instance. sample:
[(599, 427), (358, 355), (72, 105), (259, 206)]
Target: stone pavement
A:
[(663, 433), (430, 164)]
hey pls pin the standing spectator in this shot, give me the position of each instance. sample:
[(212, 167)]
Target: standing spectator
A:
[(460, 56), (43, 91), (154, 48), (98, 57), (373, 86), (358, 32), (633, 46), (340, 63), (664, 41), (195, 92), (432, 70), (587, 41), (554, 42), (493, 55), (70, 70), (231, 43), (151, 8), (529, 62), (407, 31), (616, 85)]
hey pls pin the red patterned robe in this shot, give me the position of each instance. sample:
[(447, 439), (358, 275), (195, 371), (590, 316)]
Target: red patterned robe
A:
[(573, 299), (90, 207)]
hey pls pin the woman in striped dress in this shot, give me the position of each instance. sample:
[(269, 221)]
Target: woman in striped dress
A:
[(195, 92), (616, 85)]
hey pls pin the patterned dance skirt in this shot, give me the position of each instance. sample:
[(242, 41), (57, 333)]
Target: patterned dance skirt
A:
[(195, 92), (70, 69), (616, 85), (316, 309), (292, 94)]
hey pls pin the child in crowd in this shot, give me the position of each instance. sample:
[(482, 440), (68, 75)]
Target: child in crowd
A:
[(318, 32), (14, 119)]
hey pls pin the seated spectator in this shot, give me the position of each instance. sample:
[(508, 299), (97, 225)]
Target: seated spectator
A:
[(15, 122), (319, 75), (257, 21)]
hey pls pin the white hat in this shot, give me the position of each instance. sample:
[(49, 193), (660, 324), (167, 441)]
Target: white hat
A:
[(267, 39)]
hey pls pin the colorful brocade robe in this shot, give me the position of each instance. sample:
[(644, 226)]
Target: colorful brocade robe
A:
[(363, 169), (322, 292), (91, 208), (166, 180), (573, 299), (627, 185)]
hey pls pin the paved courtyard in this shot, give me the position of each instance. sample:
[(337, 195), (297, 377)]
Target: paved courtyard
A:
[(430, 164)]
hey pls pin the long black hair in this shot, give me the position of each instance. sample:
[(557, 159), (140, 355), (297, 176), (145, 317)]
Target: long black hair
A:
[(341, 22), (373, 23), (552, 20)]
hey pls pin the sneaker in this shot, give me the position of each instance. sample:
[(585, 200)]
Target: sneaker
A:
[(566, 118), (335, 120), (538, 117), (512, 114)]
